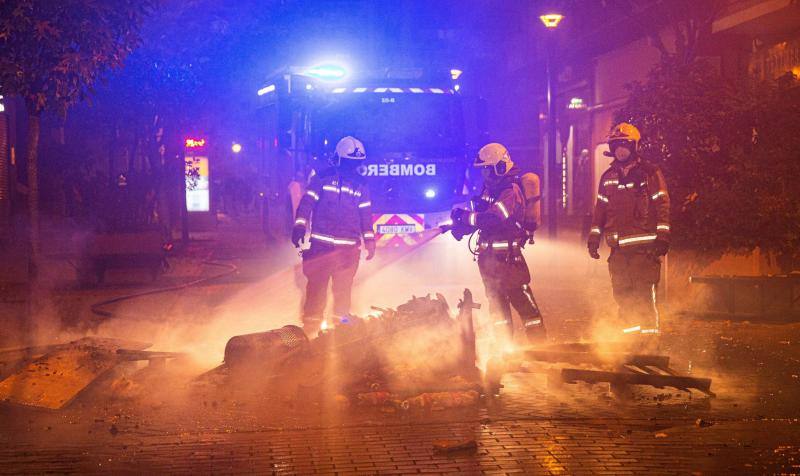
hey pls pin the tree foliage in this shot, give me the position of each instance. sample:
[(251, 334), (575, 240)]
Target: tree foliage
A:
[(53, 52), (730, 152)]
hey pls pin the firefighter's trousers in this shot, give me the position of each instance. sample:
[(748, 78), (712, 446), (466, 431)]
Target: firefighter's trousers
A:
[(634, 276), (507, 280), (321, 265)]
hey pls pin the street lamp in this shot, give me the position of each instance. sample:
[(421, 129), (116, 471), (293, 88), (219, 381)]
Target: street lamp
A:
[(551, 21)]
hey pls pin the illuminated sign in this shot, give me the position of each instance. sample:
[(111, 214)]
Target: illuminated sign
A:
[(398, 170), (576, 103), (195, 143), (197, 184)]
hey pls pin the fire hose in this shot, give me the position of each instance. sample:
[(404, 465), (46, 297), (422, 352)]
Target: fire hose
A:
[(97, 308)]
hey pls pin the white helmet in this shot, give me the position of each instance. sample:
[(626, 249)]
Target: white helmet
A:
[(495, 155), (350, 148)]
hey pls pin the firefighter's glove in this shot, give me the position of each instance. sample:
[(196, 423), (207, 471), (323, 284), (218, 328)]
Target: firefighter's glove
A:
[(460, 231), (459, 216), (594, 249), (298, 235), (661, 247), (370, 246)]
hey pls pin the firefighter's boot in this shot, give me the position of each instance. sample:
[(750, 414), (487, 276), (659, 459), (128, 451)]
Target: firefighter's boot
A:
[(535, 331)]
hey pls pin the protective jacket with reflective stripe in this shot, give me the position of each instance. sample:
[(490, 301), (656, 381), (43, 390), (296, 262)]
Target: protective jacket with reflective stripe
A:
[(502, 210), (338, 208), (632, 207)]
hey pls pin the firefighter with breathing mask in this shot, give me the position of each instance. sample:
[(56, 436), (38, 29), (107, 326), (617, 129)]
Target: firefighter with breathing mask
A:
[(500, 216), (632, 211)]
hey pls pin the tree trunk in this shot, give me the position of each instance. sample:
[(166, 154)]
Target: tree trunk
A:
[(5, 181), (33, 187)]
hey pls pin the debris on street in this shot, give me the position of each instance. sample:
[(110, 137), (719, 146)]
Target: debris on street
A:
[(416, 356)]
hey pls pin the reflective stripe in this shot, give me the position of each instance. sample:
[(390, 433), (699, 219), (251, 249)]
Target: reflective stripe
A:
[(650, 331), (365, 204), (533, 322), (595, 230), (611, 182), (333, 240), (301, 221), (630, 240), (357, 194), (660, 193), (500, 245), (501, 323), (347, 190), (502, 208), (368, 235), (472, 218), (330, 188), (313, 195), (602, 198), (655, 307), (629, 185), (632, 329), (526, 290), (662, 227)]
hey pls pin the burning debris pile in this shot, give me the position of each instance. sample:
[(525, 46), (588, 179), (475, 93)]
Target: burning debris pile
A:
[(415, 356)]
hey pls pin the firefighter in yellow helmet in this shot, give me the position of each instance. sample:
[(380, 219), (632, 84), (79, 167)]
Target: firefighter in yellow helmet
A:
[(632, 212), (498, 215), (338, 209)]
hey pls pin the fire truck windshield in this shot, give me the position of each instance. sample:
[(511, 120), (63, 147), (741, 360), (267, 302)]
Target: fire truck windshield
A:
[(427, 125)]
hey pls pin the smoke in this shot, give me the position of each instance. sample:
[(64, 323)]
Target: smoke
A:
[(572, 290)]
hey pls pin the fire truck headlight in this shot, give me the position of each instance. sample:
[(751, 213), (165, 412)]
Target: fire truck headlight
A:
[(430, 193)]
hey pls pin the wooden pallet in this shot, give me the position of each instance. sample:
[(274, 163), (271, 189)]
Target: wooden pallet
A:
[(618, 369)]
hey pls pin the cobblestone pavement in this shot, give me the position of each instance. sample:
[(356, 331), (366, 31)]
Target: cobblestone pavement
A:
[(161, 424)]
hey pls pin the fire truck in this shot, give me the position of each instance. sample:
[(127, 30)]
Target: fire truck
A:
[(411, 122)]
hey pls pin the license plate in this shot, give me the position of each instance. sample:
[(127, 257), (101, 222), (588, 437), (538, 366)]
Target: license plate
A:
[(396, 229)]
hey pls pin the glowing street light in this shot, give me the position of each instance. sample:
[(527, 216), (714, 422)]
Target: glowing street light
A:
[(236, 147), (551, 20)]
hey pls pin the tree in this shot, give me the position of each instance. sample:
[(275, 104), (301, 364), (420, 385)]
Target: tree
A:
[(52, 54), (688, 23), (729, 150)]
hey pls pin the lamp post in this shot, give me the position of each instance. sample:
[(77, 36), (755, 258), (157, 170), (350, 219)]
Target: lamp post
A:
[(551, 21)]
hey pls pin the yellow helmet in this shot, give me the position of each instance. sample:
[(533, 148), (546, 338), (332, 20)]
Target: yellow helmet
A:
[(495, 155), (625, 131)]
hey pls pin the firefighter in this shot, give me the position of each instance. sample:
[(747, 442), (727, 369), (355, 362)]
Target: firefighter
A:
[(498, 214), (337, 208), (632, 211)]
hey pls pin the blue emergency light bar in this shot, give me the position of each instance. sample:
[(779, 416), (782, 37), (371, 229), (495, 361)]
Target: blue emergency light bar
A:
[(329, 72)]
